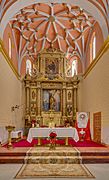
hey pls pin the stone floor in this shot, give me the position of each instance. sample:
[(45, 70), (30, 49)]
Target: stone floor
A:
[(100, 171)]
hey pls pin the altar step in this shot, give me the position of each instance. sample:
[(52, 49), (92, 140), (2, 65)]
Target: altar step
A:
[(67, 155), (12, 157), (45, 152), (61, 155), (53, 160), (85, 159), (25, 155), (95, 159)]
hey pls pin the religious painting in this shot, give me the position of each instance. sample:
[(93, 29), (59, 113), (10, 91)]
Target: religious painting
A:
[(51, 66), (51, 100), (83, 126), (33, 95), (82, 119), (69, 95)]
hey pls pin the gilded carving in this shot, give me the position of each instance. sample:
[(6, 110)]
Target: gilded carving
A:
[(48, 89), (33, 94), (50, 85), (51, 66), (69, 95)]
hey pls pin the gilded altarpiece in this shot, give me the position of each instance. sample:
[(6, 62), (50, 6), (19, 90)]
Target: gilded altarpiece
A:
[(49, 93)]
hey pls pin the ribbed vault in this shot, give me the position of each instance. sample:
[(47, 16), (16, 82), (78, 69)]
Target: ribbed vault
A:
[(66, 26)]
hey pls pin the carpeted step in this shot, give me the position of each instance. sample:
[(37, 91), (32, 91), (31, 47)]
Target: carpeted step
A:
[(94, 153), (95, 159), (12, 159), (53, 160), (12, 154), (59, 155), (53, 153)]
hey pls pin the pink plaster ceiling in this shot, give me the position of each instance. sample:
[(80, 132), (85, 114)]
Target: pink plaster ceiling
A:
[(102, 5), (57, 25)]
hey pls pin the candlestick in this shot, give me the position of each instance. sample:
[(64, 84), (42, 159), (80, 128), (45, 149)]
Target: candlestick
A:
[(9, 129)]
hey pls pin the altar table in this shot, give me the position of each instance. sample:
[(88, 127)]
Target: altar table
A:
[(3, 135), (17, 135), (44, 132)]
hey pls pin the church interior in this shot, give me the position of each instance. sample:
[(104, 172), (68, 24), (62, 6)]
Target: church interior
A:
[(54, 88)]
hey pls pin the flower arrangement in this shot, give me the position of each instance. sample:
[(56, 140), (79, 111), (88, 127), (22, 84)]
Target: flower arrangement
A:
[(33, 121), (52, 137)]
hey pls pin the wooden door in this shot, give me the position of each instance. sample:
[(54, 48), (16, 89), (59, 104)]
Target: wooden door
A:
[(97, 127)]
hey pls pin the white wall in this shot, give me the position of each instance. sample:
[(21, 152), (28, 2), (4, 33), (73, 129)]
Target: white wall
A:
[(10, 95), (95, 94)]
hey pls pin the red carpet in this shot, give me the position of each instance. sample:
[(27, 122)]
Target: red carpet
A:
[(25, 143), (85, 144)]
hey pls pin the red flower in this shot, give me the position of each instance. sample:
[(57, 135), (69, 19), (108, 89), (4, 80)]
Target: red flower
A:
[(33, 121), (52, 135)]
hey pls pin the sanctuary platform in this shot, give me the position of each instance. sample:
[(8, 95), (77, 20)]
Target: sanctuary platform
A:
[(61, 154)]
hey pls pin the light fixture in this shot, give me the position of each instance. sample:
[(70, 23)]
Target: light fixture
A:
[(14, 107)]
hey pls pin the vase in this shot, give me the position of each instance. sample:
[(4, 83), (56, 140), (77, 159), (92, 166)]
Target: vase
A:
[(52, 144)]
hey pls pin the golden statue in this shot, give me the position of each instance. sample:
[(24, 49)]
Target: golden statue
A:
[(52, 102)]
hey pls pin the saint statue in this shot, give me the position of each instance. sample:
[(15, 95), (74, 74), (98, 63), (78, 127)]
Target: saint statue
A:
[(52, 102), (52, 67)]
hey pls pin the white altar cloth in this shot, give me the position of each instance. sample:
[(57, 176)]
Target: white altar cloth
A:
[(3, 135), (15, 134), (44, 132)]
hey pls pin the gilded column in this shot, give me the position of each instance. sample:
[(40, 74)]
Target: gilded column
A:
[(27, 97), (64, 66), (41, 64), (39, 99), (60, 67), (64, 101), (75, 87)]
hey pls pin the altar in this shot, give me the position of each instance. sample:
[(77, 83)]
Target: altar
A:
[(49, 92), (44, 132)]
